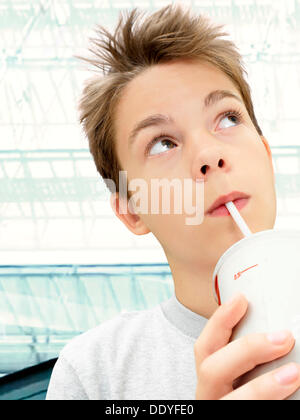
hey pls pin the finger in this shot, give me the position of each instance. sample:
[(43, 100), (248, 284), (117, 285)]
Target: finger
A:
[(218, 330), (276, 385), (218, 371)]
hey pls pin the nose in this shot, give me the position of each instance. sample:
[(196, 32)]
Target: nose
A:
[(207, 161)]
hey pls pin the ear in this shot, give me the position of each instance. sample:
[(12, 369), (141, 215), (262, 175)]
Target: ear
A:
[(266, 144), (130, 219)]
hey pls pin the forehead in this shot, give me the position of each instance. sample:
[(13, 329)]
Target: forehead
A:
[(167, 86)]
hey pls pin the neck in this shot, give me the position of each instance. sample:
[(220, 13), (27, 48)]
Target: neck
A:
[(194, 287)]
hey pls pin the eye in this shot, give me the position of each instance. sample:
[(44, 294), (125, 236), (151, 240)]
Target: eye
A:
[(159, 145), (234, 118)]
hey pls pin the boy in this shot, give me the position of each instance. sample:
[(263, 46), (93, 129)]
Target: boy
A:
[(174, 103)]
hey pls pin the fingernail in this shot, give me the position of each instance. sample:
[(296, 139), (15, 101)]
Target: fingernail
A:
[(287, 375), (278, 337)]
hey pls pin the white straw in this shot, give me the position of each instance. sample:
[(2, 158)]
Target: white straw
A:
[(238, 218)]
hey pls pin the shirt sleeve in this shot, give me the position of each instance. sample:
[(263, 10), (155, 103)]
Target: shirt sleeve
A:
[(64, 383)]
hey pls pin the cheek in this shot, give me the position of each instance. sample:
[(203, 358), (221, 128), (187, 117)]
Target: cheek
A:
[(260, 181), (172, 211), (171, 231), (253, 152), (261, 162), (257, 174)]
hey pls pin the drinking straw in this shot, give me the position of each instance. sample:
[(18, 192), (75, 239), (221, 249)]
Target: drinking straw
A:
[(238, 218)]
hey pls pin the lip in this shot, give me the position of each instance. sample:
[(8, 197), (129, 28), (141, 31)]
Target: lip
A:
[(234, 195)]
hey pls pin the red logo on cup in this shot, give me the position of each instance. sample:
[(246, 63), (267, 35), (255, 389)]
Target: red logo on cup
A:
[(238, 275)]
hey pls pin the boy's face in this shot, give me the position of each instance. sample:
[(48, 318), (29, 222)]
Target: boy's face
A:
[(198, 136)]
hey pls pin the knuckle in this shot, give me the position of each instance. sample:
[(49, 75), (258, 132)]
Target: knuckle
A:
[(251, 340), (259, 349), (254, 342), (255, 348)]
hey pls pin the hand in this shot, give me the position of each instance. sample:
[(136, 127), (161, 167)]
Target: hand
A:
[(220, 362)]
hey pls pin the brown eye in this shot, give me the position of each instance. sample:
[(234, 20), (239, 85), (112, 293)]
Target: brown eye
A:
[(234, 116), (160, 145)]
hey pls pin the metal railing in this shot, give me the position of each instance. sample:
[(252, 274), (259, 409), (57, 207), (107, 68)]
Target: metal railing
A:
[(42, 307)]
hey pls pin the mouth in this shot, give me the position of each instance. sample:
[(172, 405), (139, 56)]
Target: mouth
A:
[(218, 208)]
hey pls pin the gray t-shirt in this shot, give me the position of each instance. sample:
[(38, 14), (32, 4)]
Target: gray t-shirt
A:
[(136, 355)]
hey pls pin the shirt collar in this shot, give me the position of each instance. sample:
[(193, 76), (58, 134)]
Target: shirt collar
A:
[(187, 321)]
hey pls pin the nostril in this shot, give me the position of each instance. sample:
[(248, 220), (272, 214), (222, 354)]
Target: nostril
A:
[(203, 169)]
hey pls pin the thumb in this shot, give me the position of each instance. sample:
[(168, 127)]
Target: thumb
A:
[(218, 329)]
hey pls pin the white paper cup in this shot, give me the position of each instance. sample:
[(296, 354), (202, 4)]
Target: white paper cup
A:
[(265, 267)]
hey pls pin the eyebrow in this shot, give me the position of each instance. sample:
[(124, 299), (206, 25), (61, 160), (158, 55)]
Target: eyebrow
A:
[(158, 119)]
